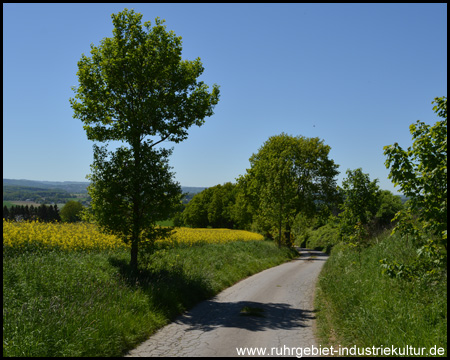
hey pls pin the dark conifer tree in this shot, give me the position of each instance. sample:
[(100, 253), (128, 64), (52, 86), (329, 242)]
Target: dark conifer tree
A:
[(32, 213), (5, 212), (42, 213), (57, 217)]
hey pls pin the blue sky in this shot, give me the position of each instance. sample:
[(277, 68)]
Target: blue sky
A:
[(354, 75)]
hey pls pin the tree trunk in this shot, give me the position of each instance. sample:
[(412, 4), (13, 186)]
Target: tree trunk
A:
[(287, 236), (280, 223), (134, 255), (136, 208), (279, 228)]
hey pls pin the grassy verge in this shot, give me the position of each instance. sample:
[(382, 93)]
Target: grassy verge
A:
[(358, 305), (79, 303)]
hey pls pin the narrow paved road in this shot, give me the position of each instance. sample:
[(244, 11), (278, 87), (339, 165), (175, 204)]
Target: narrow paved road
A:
[(271, 309)]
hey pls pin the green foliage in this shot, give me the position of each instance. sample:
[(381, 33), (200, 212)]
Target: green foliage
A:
[(421, 173), (288, 175), (421, 170), (71, 211), (323, 238), (136, 84), (390, 204), (196, 212), (361, 200), (301, 229), (361, 203), (428, 266), (242, 211), (220, 209), (136, 88), (213, 207), (114, 198)]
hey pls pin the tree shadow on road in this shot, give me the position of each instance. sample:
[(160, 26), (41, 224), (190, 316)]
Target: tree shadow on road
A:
[(253, 316)]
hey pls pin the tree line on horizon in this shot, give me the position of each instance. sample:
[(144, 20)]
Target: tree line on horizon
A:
[(41, 213), (234, 206), (70, 212)]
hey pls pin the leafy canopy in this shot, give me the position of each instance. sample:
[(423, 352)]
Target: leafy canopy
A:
[(136, 84), (289, 175), (361, 203), (71, 211), (116, 204)]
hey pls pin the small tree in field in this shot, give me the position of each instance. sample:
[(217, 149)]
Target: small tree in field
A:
[(71, 211), (135, 88)]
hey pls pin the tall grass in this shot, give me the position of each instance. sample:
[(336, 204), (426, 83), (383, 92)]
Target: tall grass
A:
[(358, 305), (87, 303)]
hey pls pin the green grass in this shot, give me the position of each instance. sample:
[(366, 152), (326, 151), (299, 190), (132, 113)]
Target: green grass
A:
[(358, 305), (59, 303)]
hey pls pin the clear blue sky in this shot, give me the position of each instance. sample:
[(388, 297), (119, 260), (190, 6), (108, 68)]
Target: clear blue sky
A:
[(354, 75)]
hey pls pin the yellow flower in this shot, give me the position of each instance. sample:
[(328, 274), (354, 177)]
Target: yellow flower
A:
[(83, 236)]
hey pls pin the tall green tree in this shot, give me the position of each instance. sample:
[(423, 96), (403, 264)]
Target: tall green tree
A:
[(136, 88), (421, 172), (289, 175), (361, 203)]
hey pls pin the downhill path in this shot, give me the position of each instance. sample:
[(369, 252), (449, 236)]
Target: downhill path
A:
[(271, 309)]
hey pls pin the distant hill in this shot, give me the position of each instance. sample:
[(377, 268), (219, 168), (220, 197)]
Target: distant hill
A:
[(73, 187)]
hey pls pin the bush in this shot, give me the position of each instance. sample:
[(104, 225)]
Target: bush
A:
[(71, 211), (323, 238)]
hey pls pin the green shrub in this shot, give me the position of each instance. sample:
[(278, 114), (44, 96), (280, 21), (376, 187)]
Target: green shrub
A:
[(323, 238)]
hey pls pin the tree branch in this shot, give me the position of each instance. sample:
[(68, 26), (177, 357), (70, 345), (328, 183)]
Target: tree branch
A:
[(160, 141)]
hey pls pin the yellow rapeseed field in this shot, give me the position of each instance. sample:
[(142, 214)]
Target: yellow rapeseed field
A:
[(190, 236), (67, 236), (83, 236)]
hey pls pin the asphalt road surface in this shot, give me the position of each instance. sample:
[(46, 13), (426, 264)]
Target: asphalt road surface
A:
[(270, 312)]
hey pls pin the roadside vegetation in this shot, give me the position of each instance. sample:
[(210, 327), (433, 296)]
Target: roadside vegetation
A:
[(389, 288), (359, 305), (86, 300)]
